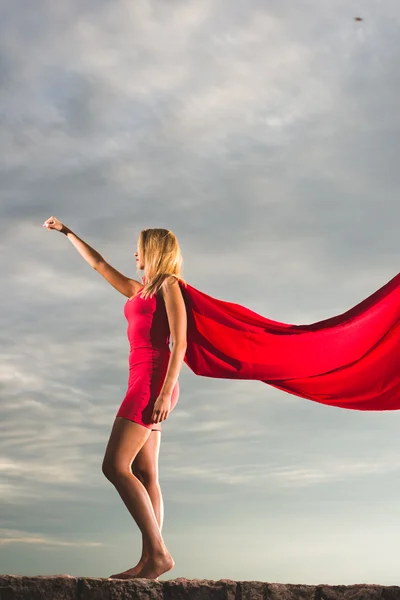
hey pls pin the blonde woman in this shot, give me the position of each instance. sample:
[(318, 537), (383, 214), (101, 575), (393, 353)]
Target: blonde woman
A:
[(350, 361), (154, 310)]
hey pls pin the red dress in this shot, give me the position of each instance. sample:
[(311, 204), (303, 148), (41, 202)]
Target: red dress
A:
[(148, 334)]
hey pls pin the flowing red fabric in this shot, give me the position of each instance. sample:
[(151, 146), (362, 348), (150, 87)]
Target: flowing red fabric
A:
[(350, 361)]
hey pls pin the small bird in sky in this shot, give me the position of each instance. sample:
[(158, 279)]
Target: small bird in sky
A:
[(358, 19)]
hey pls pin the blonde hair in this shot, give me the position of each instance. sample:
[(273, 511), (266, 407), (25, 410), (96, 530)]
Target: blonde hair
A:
[(162, 257)]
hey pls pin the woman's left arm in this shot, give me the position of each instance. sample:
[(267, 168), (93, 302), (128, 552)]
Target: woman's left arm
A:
[(177, 320)]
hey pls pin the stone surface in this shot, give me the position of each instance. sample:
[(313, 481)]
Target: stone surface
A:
[(66, 587)]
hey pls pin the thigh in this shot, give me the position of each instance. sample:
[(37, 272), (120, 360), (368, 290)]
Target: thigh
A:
[(126, 440), (145, 465)]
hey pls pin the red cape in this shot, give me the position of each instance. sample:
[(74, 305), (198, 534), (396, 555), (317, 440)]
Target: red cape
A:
[(350, 361)]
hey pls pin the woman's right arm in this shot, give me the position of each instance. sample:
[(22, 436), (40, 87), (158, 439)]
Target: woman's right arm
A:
[(126, 286), (89, 254)]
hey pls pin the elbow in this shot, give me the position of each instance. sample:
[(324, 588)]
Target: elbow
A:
[(179, 345)]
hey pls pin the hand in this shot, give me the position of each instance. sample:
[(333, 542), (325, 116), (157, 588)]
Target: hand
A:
[(161, 407), (53, 223)]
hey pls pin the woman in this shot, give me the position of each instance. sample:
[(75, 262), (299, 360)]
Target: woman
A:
[(153, 310), (350, 361)]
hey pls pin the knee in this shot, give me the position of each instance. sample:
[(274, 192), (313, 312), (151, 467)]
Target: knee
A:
[(146, 476), (107, 471), (113, 471)]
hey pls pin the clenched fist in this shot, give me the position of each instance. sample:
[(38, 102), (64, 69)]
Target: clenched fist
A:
[(53, 223)]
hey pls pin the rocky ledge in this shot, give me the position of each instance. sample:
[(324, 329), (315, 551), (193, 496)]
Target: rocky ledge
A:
[(65, 587)]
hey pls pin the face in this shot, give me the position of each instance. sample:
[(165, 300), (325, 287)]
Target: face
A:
[(138, 258)]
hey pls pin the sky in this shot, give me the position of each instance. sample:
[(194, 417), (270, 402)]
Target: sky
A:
[(265, 135)]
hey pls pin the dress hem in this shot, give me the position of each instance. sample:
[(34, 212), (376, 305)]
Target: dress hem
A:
[(138, 423)]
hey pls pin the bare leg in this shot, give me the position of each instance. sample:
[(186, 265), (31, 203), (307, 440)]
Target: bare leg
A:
[(150, 563), (137, 501), (126, 440), (145, 467), (154, 490)]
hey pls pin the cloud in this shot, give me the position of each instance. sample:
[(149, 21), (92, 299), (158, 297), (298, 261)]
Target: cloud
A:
[(265, 137)]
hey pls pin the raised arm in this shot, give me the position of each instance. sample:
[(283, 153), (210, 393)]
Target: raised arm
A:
[(126, 286)]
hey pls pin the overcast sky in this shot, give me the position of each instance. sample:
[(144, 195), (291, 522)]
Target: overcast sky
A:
[(265, 135)]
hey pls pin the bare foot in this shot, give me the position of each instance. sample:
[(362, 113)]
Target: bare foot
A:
[(130, 573), (156, 565)]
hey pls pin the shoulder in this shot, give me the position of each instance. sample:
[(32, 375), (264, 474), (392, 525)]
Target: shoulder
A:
[(172, 281), (170, 287)]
